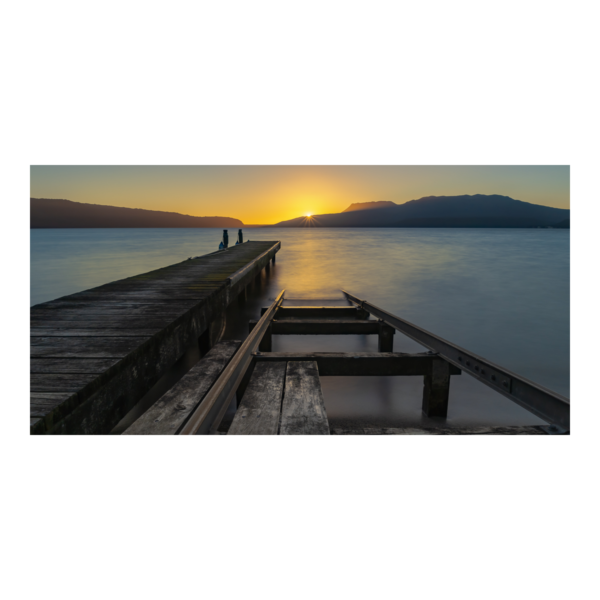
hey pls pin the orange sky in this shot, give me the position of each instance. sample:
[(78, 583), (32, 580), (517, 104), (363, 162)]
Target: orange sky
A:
[(269, 194)]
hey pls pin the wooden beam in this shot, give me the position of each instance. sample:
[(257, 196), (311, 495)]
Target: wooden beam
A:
[(360, 363), (321, 312), (322, 327), (303, 410), (260, 408), (168, 415)]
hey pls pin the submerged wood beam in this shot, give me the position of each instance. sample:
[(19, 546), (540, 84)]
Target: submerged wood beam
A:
[(360, 363)]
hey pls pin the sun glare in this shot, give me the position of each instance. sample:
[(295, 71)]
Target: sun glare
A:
[(308, 215)]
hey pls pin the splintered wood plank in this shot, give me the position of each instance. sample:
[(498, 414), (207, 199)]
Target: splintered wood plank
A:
[(172, 410), (303, 411), (259, 411), (84, 347)]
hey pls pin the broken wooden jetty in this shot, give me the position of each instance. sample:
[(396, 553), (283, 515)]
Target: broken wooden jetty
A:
[(96, 353), (279, 393)]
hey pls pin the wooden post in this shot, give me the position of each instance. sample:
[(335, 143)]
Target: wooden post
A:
[(386, 337), (242, 296), (436, 389), (273, 259)]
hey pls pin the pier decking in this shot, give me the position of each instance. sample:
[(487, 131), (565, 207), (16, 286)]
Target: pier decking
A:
[(96, 353)]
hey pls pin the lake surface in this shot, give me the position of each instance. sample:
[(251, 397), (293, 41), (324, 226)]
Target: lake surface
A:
[(501, 293)]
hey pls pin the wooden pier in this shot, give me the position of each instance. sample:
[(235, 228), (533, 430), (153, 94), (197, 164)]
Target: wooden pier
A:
[(96, 353)]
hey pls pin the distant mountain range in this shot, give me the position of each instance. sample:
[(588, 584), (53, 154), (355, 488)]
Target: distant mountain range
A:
[(48, 213), (478, 210)]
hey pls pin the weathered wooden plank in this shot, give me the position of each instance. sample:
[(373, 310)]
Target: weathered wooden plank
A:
[(516, 430), (181, 294), (112, 309), (303, 409), (360, 363), (258, 413), (42, 403), (104, 332), (71, 365), (123, 323), (84, 347), (60, 382), (323, 327), (47, 395), (172, 410), (40, 407)]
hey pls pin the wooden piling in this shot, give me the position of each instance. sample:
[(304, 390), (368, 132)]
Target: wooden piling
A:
[(436, 389), (386, 337)]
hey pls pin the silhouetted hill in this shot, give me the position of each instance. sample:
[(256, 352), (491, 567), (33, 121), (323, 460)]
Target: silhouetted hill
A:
[(478, 210), (369, 205), (49, 213)]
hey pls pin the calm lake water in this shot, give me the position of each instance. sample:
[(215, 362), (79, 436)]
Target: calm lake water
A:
[(501, 293)]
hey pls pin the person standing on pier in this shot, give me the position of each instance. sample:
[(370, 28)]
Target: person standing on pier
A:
[(225, 238), (240, 237)]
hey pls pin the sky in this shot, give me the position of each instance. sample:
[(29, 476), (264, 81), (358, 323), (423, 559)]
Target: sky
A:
[(269, 194)]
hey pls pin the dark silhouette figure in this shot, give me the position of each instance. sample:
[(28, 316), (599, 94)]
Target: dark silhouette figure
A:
[(240, 237), (225, 238)]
